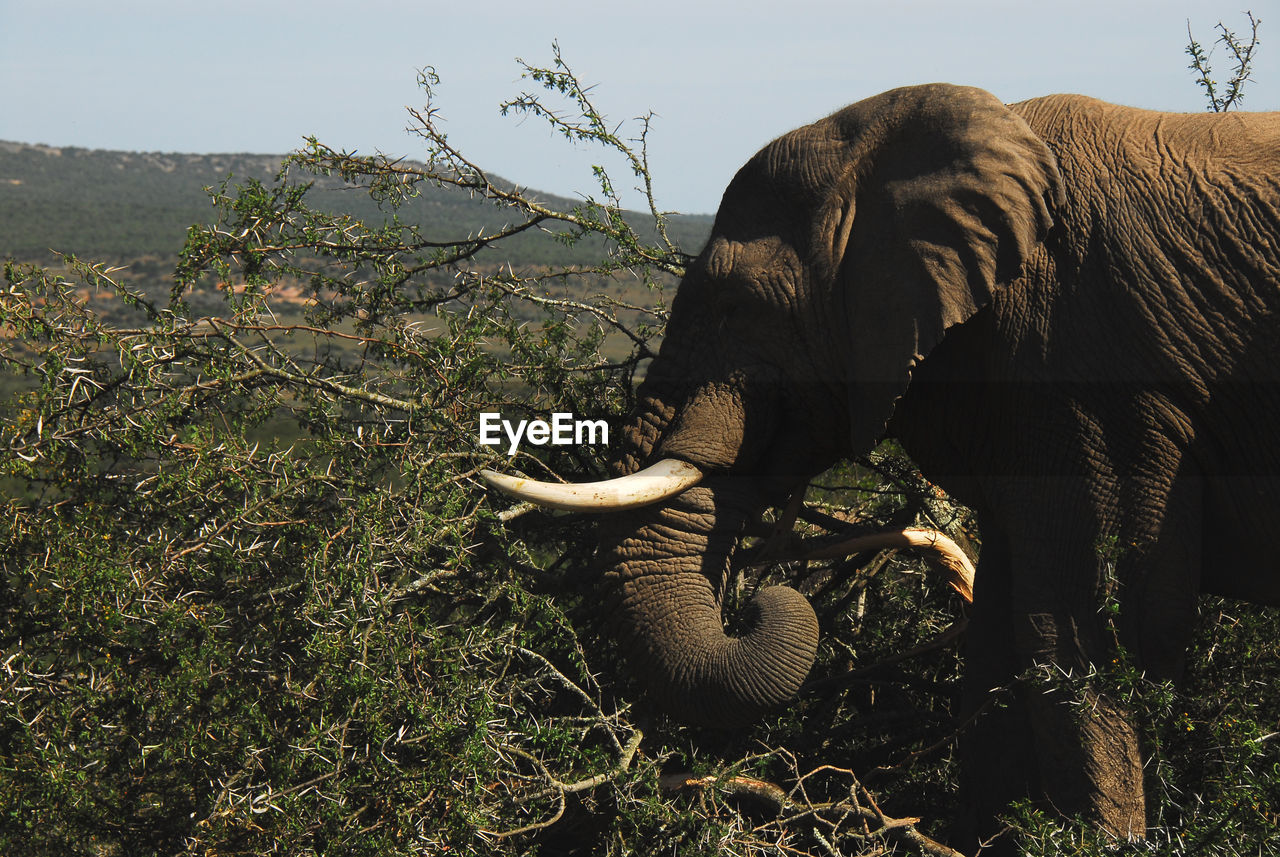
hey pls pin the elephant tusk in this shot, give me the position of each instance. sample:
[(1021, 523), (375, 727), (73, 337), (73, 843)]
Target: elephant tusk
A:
[(657, 482), (943, 552)]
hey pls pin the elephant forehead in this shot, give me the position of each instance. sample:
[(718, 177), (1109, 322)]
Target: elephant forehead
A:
[(804, 163), (783, 182)]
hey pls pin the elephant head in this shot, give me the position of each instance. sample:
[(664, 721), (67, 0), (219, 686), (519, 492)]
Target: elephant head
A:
[(840, 256)]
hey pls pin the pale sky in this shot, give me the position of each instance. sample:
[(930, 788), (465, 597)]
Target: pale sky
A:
[(723, 78)]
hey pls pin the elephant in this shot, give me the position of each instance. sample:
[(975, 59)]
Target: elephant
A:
[(1067, 312)]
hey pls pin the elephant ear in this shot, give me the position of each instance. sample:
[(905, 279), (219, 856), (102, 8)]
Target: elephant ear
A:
[(946, 195)]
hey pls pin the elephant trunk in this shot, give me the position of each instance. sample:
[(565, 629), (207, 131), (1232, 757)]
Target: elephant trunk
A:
[(668, 568)]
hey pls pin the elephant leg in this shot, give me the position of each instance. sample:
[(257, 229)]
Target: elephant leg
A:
[(1064, 586), (1035, 728), (1085, 747), (997, 749), (1160, 598)]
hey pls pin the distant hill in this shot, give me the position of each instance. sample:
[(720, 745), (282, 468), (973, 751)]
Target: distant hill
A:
[(117, 206)]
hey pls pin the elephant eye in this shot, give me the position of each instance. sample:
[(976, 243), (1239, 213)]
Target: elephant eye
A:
[(731, 305), (738, 314)]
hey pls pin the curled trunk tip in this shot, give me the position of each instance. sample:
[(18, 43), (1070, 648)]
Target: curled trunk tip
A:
[(668, 568)]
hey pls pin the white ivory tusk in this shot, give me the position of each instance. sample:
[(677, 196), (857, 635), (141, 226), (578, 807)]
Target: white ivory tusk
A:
[(656, 482), (945, 552)]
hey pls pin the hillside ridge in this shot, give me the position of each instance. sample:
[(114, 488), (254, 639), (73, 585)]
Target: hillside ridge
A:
[(114, 205)]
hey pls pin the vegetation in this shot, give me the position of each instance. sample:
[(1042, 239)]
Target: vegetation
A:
[(254, 601), (1241, 65)]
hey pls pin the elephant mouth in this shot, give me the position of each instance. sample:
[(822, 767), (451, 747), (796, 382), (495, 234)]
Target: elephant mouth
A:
[(671, 477)]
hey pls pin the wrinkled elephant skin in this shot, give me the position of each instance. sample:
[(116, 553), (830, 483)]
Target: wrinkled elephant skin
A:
[(1067, 312)]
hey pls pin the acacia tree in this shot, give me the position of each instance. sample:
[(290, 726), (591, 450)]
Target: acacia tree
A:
[(253, 599)]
